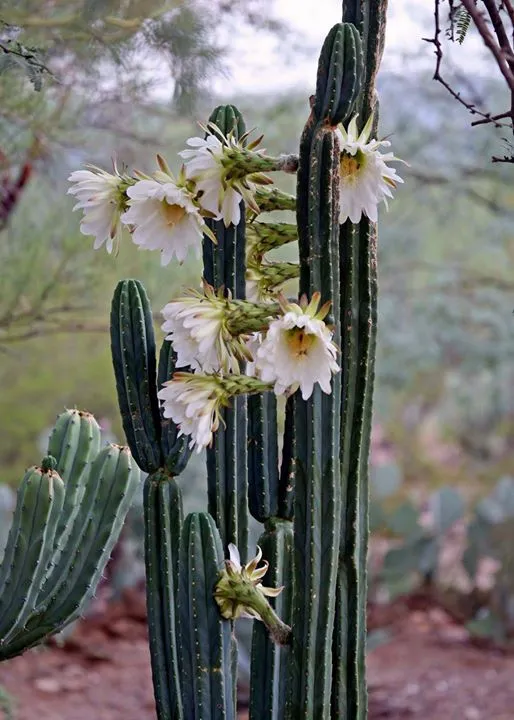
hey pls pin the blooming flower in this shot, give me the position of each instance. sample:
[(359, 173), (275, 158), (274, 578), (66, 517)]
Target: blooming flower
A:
[(240, 593), (297, 351), (193, 402), (163, 217), (101, 196), (197, 329), (215, 164), (365, 178)]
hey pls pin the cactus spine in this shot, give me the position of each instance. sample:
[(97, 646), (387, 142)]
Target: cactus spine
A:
[(62, 533)]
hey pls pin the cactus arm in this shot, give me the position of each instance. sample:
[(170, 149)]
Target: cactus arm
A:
[(133, 356), (116, 478), (74, 443), (163, 523), (350, 327), (340, 73), (358, 262), (356, 536), (317, 484), (30, 544), (268, 677), (206, 638), (227, 471), (113, 481)]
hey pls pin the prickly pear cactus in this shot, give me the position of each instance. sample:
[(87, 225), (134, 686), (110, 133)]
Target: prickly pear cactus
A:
[(68, 516), (277, 391)]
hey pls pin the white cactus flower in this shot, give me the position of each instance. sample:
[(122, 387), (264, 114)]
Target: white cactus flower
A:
[(101, 197), (204, 166), (196, 328), (297, 351), (225, 171), (365, 178), (163, 216), (193, 402)]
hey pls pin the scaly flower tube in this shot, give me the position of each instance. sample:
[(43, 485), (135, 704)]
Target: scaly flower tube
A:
[(240, 593), (227, 171)]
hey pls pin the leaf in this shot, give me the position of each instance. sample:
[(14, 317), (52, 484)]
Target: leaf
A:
[(462, 22), (406, 558), (13, 53), (478, 536), (385, 480), (447, 506), (403, 521), (487, 625), (377, 518), (500, 504), (398, 586), (377, 637)]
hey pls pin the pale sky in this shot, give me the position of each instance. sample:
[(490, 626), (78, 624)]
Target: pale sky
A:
[(258, 65)]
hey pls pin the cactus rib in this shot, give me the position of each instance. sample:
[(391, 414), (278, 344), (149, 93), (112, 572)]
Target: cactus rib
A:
[(29, 548)]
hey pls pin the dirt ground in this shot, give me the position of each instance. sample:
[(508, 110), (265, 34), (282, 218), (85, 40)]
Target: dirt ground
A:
[(428, 670)]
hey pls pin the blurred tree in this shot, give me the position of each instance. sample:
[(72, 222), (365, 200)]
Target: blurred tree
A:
[(493, 21), (111, 79)]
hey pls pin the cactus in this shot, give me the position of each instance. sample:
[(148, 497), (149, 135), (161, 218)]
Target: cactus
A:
[(205, 637), (227, 461), (62, 533), (235, 356)]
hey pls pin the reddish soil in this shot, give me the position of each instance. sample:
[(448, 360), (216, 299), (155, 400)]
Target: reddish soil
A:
[(428, 670)]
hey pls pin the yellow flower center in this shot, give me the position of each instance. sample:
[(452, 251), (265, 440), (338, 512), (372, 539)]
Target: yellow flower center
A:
[(349, 165), (173, 213), (300, 342)]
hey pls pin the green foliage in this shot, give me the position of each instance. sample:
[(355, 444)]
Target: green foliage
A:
[(416, 558), (419, 538), (16, 55), (462, 22)]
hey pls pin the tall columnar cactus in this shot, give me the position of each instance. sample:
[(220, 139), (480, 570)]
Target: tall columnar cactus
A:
[(235, 350), (68, 515), (227, 460)]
